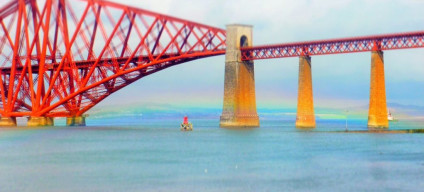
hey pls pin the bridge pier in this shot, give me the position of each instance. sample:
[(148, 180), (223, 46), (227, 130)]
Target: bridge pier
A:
[(40, 121), (239, 109), (7, 121), (75, 121), (305, 117), (377, 115)]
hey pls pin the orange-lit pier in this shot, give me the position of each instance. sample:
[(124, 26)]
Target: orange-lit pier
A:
[(377, 117), (239, 108)]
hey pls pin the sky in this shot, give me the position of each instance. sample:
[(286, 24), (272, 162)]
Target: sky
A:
[(339, 81)]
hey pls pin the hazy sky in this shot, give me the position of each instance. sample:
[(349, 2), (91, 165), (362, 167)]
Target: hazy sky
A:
[(338, 80)]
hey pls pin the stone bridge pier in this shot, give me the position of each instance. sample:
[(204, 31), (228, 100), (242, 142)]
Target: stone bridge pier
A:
[(377, 115), (305, 117), (239, 108)]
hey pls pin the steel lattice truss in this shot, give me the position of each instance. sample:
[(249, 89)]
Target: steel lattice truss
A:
[(62, 57), (336, 46)]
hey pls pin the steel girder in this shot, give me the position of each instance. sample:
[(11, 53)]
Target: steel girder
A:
[(336, 46), (62, 57)]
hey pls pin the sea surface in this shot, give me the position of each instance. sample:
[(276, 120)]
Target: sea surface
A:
[(154, 155)]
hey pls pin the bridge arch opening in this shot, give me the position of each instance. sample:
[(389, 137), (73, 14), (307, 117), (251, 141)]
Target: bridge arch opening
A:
[(244, 42)]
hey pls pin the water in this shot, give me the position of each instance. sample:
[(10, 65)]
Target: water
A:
[(156, 156)]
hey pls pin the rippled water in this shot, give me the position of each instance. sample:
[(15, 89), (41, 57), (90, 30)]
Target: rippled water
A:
[(156, 156)]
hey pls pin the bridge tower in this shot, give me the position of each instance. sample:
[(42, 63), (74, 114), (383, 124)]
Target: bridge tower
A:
[(377, 115), (239, 109)]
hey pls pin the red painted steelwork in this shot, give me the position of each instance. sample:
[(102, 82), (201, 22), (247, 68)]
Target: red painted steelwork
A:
[(62, 57), (336, 46)]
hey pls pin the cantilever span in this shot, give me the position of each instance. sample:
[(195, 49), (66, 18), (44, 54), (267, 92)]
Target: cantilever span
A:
[(62, 57)]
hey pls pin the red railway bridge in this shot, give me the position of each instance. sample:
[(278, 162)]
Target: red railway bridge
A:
[(59, 58)]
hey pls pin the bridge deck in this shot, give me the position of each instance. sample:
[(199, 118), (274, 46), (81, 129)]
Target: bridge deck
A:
[(336, 46)]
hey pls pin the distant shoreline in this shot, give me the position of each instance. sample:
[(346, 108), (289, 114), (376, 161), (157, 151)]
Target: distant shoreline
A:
[(382, 131)]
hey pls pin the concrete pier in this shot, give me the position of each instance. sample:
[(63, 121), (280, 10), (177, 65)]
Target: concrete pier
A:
[(377, 115), (75, 121), (7, 121), (40, 121), (239, 108), (305, 117)]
